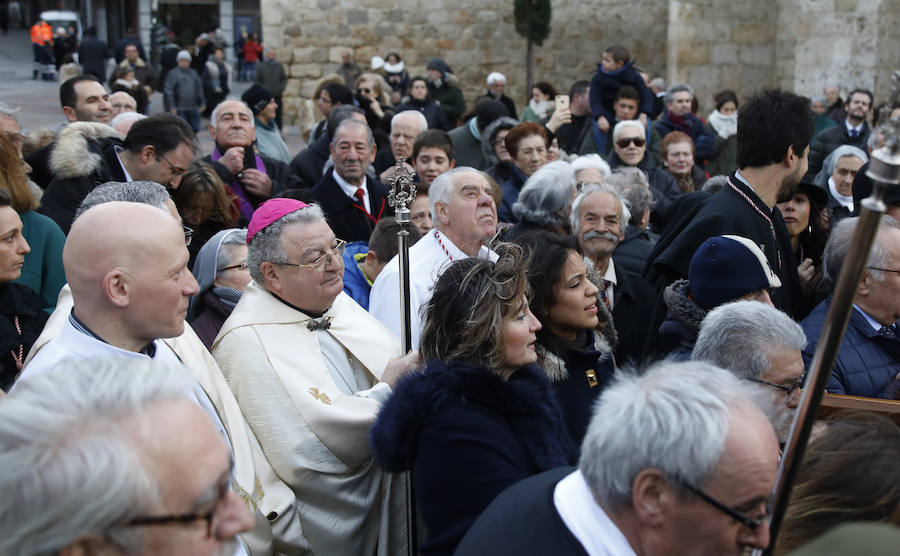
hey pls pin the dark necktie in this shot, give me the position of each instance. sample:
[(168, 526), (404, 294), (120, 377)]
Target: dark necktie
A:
[(854, 133)]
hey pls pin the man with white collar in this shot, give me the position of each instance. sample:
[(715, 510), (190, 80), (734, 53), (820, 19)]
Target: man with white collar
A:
[(310, 370), (688, 470), (352, 201), (125, 262), (465, 219), (774, 131), (159, 149), (598, 219), (868, 361)]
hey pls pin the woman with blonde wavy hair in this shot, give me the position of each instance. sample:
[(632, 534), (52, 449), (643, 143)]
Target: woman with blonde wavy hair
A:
[(480, 416)]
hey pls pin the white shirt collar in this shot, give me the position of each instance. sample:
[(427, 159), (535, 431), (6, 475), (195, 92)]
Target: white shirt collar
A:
[(851, 128), (455, 252), (350, 189), (842, 199), (586, 519), (610, 273), (872, 322), (124, 170)]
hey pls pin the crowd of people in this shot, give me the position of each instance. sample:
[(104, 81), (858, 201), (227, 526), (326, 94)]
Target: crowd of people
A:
[(612, 302)]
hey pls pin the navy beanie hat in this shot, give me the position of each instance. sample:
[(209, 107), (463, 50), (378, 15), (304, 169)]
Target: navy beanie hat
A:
[(725, 268)]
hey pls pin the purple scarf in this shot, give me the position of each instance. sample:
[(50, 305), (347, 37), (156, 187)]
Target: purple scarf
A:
[(236, 187)]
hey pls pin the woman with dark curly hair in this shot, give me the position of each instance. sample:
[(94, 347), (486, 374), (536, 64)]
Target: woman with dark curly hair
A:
[(806, 218), (480, 416), (577, 335)]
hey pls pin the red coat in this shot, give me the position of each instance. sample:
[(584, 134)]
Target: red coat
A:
[(252, 50)]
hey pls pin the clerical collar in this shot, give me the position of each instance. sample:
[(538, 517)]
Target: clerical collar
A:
[(149, 350), (310, 314)]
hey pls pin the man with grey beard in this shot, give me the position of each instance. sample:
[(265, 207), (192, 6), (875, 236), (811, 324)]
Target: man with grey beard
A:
[(598, 219), (762, 345)]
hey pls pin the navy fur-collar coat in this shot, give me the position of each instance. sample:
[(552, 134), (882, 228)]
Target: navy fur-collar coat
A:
[(467, 435)]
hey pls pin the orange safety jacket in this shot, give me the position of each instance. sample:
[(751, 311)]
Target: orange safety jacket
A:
[(41, 34)]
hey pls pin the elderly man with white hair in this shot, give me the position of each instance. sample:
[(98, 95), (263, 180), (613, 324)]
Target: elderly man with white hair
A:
[(763, 346), (252, 177), (310, 370), (598, 219), (545, 201), (635, 248), (123, 121), (405, 127), (590, 168), (630, 150), (465, 219), (157, 481), (676, 459), (496, 87), (868, 361)]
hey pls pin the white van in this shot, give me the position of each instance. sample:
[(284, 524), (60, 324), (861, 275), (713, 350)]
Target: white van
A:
[(62, 19)]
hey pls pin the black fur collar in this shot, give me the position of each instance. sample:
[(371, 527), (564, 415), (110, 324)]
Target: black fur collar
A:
[(525, 400)]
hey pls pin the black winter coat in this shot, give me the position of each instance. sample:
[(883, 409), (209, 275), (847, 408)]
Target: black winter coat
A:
[(310, 162), (17, 302), (65, 193), (466, 435), (349, 220), (830, 139)]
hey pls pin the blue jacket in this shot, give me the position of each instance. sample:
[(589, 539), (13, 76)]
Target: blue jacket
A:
[(356, 285), (866, 363), (704, 138), (467, 435), (605, 86), (510, 190)]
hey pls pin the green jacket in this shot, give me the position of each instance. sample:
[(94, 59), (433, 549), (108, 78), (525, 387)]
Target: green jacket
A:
[(43, 269)]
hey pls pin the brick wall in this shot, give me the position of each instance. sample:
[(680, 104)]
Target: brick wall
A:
[(745, 45)]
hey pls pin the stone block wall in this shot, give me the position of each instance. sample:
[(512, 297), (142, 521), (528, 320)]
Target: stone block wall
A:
[(745, 45)]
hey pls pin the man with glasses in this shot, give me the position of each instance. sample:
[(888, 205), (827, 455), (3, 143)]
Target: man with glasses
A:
[(158, 480), (310, 369), (686, 470), (275, 513), (760, 345), (157, 149), (868, 361)]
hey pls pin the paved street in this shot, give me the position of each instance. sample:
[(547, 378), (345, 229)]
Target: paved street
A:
[(38, 101)]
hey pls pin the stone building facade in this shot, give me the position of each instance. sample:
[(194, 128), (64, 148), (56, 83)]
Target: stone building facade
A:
[(745, 45)]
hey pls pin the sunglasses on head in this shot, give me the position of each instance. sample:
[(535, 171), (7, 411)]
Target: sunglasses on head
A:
[(625, 141)]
